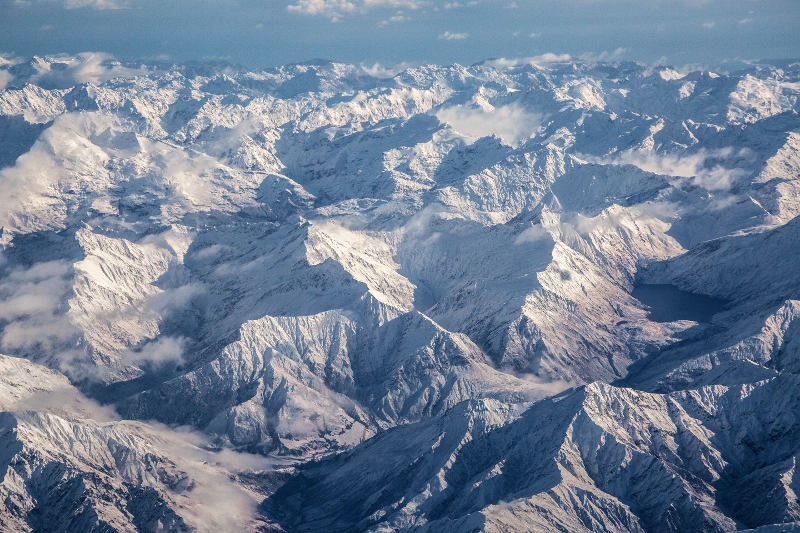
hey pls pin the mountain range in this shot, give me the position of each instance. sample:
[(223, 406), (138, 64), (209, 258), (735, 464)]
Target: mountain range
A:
[(519, 295)]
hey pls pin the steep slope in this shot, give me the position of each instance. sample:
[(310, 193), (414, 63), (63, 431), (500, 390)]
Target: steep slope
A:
[(598, 458), (394, 276), (69, 464)]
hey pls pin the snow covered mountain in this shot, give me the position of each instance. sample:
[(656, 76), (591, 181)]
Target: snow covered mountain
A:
[(520, 295)]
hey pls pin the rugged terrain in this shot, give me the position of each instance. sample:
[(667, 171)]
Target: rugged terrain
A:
[(315, 298)]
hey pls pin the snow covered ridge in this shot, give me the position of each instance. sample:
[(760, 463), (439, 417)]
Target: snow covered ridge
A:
[(418, 287)]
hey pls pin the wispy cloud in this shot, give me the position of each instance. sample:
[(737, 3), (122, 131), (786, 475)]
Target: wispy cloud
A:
[(543, 59), (336, 9), (459, 5), (450, 36), (534, 233), (604, 55), (397, 18), (78, 4), (95, 4)]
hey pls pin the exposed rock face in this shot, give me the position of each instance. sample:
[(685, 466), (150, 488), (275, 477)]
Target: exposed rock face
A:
[(314, 263)]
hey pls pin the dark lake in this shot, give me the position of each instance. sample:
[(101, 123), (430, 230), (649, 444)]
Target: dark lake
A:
[(668, 303)]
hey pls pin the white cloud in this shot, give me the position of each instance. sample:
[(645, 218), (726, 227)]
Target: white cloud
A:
[(542, 386), (537, 61), (161, 350), (511, 123), (31, 302), (605, 55), (418, 227), (62, 154), (78, 4), (535, 35), (5, 79), (459, 5), (704, 168), (378, 70), (450, 36), (336, 9), (38, 289), (709, 25), (615, 217), (395, 19), (216, 502), (9, 61), (164, 303), (533, 234), (333, 9), (399, 4), (86, 67), (95, 4)]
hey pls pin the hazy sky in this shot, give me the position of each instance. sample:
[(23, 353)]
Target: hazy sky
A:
[(259, 33)]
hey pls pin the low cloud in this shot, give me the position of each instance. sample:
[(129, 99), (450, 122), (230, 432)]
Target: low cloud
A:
[(177, 299), (32, 305), (190, 175), (161, 350), (536, 61), (615, 217), (704, 168), (378, 70), (533, 234), (512, 123), (5, 79), (450, 36), (9, 61), (216, 502), (62, 155), (419, 227), (86, 67), (542, 387)]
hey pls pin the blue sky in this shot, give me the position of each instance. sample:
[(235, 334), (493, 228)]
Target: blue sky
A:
[(262, 33)]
